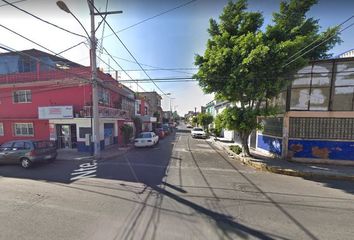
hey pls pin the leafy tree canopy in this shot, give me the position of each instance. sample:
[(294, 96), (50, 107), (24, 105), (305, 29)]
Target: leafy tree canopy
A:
[(248, 64)]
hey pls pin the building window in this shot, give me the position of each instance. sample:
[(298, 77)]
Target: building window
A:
[(22, 96), (103, 97), (1, 129), (311, 88), (344, 87), (23, 129), (83, 131)]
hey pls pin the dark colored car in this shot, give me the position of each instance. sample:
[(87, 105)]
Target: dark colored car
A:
[(166, 129), (160, 132), (27, 152)]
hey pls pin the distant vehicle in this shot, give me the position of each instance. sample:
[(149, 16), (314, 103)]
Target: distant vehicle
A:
[(189, 126), (146, 139), (166, 129), (160, 132), (27, 152), (198, 133)]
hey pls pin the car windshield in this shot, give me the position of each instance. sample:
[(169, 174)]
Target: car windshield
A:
[(198, 129), (144, 135)]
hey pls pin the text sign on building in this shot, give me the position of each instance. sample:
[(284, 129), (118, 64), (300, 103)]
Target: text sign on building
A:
[(57, 112)]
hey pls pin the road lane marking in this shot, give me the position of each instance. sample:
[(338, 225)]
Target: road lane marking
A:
[(86, 170)]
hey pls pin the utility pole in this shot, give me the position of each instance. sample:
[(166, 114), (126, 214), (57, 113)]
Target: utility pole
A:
[(95, 113), (95, 120)]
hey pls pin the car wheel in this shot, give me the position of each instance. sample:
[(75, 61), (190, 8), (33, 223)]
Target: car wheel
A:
[(26, 163)]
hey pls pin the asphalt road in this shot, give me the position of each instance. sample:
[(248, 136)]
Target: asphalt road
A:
[(183, 188)]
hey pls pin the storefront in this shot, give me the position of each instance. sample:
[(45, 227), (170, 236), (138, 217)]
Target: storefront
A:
[(71, 132)]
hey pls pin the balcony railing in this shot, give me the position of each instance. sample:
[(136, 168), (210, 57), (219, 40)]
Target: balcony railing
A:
[(105, 112)]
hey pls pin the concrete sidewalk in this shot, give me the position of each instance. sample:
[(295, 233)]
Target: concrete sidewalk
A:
[(280, 166), (74, 155)]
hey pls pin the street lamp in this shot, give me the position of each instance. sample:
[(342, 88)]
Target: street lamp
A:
[(93, 64)]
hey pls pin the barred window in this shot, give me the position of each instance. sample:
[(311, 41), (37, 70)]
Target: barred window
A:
[(322, 128), (22, 96), (272, 126), (23, 129)]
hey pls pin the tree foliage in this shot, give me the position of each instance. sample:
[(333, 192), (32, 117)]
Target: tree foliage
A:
[(194, 120), (204, 119), (127, 132), (250, 66)]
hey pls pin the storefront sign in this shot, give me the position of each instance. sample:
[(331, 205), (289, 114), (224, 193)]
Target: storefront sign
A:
[(57, 112)]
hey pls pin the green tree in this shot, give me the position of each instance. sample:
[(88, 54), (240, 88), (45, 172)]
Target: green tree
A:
[(218, 124), (236, 63), (194, 121), (204, 119), (127, 132)]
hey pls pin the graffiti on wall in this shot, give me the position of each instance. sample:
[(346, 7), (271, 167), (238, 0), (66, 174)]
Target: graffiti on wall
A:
[(270, 144), (331, 150)]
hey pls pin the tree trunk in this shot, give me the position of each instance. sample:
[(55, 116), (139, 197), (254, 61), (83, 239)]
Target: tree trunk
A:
[(244, 142)]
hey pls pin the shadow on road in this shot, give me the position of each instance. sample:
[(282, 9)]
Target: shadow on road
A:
[(148, 167)]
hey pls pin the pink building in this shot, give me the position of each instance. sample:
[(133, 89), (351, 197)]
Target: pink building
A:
[(43, 96)]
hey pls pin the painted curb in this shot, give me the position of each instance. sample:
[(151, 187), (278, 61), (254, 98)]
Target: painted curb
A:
[(261, 166)]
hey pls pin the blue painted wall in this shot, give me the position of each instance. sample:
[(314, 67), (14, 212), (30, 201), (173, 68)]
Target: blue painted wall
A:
[(81, 147), (322, 149), (270, 144)]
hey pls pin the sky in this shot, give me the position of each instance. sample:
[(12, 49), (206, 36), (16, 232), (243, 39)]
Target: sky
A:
[(168, 41)]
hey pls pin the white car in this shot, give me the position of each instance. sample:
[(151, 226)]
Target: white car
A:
[(146, 139), (198, 133)]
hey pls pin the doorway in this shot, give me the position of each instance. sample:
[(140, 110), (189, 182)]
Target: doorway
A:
[(66, 135)]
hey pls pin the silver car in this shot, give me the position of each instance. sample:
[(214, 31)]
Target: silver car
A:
[(26, 152)]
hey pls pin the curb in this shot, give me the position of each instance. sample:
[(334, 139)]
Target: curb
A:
[(104, 157), (261, 166)]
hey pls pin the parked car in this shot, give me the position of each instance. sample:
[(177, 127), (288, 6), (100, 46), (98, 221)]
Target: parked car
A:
[(146, 139), (160, 132), (198, 133), (27, 152)]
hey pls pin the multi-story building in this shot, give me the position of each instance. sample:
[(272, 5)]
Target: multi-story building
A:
[(43, 96), (154, 101), (142, 111)]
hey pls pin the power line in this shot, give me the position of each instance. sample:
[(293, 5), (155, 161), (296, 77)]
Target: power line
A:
[(126, 48), (123, 69), (3, 5), (41, 19), (30, 40), (18, 34), (103, 28), (140, 22), (152, 17), (316, 40), (147, 65), (313, 42), (161, 69), (65, 50), (118, 66), (325, 40)]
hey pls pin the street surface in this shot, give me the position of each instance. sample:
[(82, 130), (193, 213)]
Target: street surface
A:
[(183, 188)]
